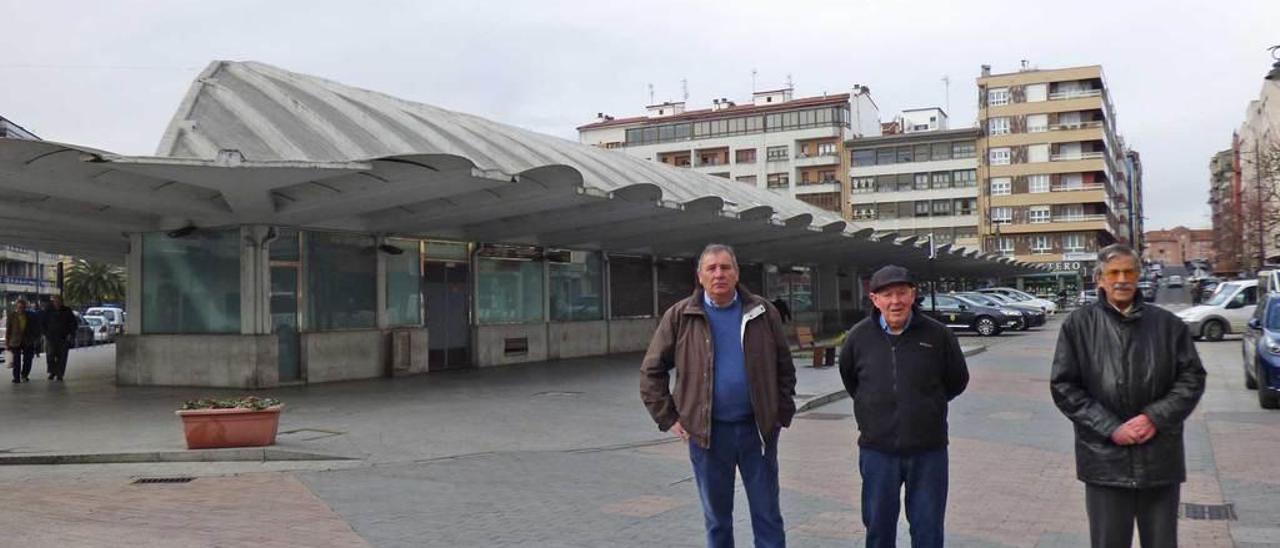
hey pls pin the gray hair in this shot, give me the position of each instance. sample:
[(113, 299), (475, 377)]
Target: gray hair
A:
[(718, 248), (1115, 251)]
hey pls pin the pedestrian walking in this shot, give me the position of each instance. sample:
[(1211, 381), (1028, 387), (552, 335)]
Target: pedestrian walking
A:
[(1127, 375), (734, 392), (60, 325), (901, 368), (22, 337)]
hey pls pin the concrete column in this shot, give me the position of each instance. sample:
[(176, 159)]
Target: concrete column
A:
[(383, 320), (255, 279), (133, 285)]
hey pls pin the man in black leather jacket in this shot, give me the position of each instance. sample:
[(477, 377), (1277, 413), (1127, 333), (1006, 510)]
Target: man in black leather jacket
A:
[(1127, 375)]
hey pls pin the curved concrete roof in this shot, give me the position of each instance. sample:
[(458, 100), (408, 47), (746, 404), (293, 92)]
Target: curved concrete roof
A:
[(252, 143)]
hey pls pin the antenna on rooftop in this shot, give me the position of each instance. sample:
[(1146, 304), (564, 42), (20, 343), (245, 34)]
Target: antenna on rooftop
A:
[(946, 84), (684, 87), (650, 94), (790, 84), (753, 80)]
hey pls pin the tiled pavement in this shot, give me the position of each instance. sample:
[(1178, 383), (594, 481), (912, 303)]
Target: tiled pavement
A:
[(1013, 481)]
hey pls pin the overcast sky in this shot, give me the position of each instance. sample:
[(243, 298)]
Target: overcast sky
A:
[(110, 74)]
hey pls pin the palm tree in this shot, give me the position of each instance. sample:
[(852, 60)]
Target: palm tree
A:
[(89, 283)]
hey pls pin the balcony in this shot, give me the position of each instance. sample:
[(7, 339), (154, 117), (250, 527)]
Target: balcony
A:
[(1077, 156), (1061, 187), (827, 159), (1074, 94), (1078, 125)]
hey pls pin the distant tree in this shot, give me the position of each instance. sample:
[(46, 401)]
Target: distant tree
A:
[(88, 283)]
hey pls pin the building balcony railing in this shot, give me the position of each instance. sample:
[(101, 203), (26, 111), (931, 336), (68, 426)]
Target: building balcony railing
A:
[(1074, 94), (1081, 218), (1062, 187), (1078, 125), (825, 159), (1077, 156)]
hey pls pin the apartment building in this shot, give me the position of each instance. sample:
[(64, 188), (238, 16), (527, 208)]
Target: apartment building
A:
[(1257, 165), (1224, 201), (776, 141), (920, 182), (1179, 245), (1053, 184), (25, 273)]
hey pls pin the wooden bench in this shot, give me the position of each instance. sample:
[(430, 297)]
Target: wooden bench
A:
[(824, 355)]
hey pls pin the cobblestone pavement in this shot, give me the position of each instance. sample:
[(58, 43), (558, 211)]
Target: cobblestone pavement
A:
[(1013, 481)]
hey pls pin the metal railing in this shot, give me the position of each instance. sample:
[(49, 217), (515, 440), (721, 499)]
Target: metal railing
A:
[(1077, 156), (1061, 187), (1074, 94)]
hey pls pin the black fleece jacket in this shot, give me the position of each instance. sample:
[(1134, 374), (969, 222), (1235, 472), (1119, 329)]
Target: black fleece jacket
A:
[(900, 384)]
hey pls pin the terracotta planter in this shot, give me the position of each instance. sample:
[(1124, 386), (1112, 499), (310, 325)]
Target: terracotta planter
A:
[(213, 428)]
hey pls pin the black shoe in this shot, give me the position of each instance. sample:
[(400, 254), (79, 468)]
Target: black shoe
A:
[(26, 379), (59, 379), (51, 376), (16, 381)]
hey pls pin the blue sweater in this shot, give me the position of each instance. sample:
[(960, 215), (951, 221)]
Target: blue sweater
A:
[(731, 396)]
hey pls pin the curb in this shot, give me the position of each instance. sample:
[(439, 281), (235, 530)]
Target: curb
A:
[(814, 403), (199, 455)]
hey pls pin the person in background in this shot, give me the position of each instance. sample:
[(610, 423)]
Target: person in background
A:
[(22, 337), (60, 325)]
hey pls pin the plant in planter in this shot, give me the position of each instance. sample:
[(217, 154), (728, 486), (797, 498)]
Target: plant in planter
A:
[(248, 421)]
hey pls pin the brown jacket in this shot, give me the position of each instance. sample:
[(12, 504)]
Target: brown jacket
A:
[(683, 342)]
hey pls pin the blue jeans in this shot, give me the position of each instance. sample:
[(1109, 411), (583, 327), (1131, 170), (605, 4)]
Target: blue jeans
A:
[(883, 475), (738, 445)]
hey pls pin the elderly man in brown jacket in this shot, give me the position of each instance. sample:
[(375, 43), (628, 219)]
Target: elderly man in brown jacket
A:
[(734, 392)]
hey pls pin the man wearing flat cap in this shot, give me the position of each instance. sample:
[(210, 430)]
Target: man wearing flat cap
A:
[(901, 368)]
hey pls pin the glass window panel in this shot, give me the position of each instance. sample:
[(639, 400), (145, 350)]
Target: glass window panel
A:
[(285, 246), (191, 284), (963, 150), (886, 156), (922, 153), (508, 290), (404, 284), (864, 158), (575, 286), (630, 287), (904, 154), (941, 151), (676, 280), (342, 286)]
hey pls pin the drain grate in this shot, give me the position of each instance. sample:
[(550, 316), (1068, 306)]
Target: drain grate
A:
[(823, 416), (1211, 512), (181, 479)]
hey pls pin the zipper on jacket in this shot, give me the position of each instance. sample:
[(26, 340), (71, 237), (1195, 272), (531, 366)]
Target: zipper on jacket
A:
[(893, 353)]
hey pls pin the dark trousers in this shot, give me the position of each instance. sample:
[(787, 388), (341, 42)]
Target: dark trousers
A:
[(738, 445), (1113, 511), (883, 477), (55, 359), (22, 361)]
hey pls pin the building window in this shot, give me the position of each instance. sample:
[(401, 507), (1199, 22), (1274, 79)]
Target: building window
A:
[(921, 181), (191, 284), (508, 284), (998, 126), (904, 155), (922, 209), (1039, 214), (829, 201), (777, 154), (1001, 214), (404, 283), (1073, 243), (997, 97), (886, 156), (1038, 183), (864, 213), (342, 281), (745, 156), (778, 180), (826, 149), (941, 151), (1041, 244), (630, 287), (864, 158), (1037, 123), (999, 156), (964, 178), (922, 153), (864, 184), (1074, 212), (965, 206), (1001, 186), (941, 207), (942, 179), (1004, 245), (963, 150), (748, 179), (576, 283), (676, 280)]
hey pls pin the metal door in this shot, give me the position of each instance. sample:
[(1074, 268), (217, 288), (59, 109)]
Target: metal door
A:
[(446, 288)]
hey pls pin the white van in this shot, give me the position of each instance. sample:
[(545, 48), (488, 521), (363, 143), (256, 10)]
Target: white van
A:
[(1227, 312), (114, 317)]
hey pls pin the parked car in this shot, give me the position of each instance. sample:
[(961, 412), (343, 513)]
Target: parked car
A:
[(1087, 297), (1029, 315), (1147, 290), (114, 316), (956, 314), (1049, 307), (1174, 281), (1261, 351), (84, 333), (102, 332), (1227, 312)]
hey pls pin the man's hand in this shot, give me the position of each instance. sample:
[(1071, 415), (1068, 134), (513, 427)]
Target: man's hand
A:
[(679, 431), (1137, 430)]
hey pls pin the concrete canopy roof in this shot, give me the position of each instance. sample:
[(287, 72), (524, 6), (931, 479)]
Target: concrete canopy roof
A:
[(255, 144)]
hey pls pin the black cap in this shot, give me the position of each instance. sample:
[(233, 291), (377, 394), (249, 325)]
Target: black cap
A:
[(889, 275)]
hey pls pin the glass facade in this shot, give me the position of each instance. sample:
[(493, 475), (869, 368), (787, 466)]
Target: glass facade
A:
[(404, 284), (576, 286), (191, 285), (342, 281), (509, 284), (741, 125), (630, 287)]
